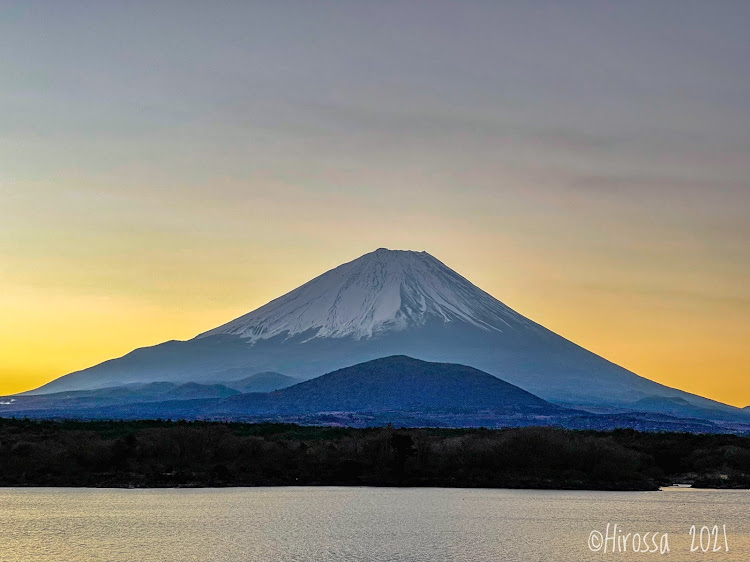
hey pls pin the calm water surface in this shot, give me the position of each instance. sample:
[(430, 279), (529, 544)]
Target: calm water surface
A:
[(354, 524)]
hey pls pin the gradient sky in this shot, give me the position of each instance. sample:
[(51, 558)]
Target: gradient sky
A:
[(168, 166)]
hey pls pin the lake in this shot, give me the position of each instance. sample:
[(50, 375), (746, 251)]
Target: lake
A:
[(361, 524)]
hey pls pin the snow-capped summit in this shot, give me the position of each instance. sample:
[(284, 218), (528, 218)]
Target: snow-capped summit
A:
[(385, 290)]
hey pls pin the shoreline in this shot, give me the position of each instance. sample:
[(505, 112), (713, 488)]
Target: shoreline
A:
[(158, 454), (196, 486)]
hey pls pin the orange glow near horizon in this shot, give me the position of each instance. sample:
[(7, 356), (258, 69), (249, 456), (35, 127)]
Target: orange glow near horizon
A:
[(670, 339)]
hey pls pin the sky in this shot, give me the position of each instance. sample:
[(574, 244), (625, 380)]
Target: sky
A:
[(168, 166)]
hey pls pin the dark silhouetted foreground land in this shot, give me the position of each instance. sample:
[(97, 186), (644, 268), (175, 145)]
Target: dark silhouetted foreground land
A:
[(163, 454)]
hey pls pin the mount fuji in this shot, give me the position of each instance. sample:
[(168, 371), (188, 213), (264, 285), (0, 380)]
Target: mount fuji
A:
[(384, 303)]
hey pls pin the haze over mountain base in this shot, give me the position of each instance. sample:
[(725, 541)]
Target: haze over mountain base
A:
[(397, 390)]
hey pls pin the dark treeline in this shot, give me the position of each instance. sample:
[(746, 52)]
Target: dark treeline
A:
[(163, 453)]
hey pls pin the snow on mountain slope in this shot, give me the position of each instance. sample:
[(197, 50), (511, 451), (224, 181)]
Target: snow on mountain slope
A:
[(385, 290)]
